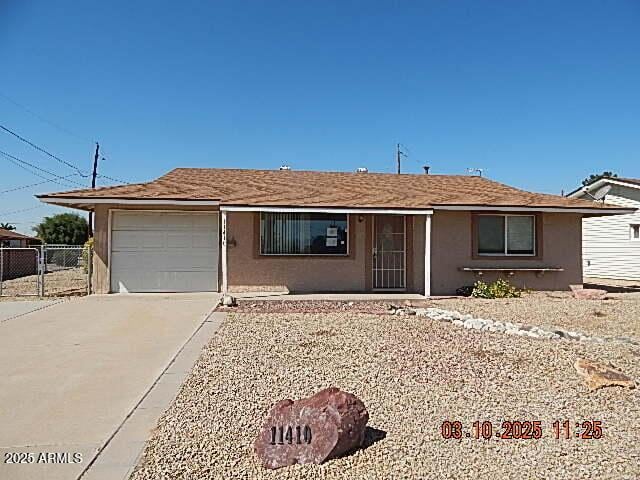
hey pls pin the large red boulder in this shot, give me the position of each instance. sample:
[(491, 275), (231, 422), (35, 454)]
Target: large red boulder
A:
[(312, 430)]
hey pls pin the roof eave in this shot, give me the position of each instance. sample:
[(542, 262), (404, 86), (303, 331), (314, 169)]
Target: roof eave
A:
[(89, 203), (598, 183)]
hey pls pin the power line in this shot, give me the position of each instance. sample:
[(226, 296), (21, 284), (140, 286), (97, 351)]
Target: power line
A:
[(22, 187), (40, 149), (14, 159), (23, 210), (27, 169), (43, 119), (114, 179)]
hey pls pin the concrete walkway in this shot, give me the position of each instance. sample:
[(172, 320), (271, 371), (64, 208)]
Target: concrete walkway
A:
[(76, 373)]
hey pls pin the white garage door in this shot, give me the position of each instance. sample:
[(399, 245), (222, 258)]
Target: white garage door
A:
[(164, 252)]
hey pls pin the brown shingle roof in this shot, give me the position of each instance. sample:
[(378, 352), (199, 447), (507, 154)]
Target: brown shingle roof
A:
[(327, 189)]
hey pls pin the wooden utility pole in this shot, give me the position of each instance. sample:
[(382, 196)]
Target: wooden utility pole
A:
[(93, 184)]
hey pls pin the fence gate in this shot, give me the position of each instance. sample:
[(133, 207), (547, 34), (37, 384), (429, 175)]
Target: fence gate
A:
[(19, 271), (47, 270), (65, 270)]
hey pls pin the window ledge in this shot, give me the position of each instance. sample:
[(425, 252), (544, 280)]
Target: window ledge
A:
[(510, 272)]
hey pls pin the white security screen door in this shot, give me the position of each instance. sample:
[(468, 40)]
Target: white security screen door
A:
[(164, 251), (389, 252)]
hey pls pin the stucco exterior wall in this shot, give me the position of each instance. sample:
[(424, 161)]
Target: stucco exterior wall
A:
[(451, 241), (100, 277), (247, 270)]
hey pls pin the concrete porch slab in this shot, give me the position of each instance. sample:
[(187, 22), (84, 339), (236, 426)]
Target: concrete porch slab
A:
[(344, 297)]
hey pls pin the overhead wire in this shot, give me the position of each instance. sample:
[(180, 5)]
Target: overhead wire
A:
[(58, 127), (43, 119), (22, 210), (17, 161), (22, 187), (40, 149)]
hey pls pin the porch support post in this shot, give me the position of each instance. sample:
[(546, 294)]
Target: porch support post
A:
[(224, 251), (427, 255)]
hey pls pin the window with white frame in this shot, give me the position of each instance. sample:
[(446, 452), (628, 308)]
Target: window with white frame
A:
[(304, 234), (634, 232), (506, 235)]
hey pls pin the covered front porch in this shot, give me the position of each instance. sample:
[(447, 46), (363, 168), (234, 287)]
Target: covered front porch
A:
[(276, 250)]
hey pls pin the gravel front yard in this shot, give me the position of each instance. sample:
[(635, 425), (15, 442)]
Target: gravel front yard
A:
[(615, 316), (618, 315), (412, 374)]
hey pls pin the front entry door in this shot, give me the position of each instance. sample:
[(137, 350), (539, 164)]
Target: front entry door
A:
[(389, 252)]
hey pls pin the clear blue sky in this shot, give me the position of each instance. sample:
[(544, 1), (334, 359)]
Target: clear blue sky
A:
[(539, 93)]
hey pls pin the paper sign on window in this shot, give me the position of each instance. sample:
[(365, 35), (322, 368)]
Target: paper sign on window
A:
[(332, 231), (332, 241)]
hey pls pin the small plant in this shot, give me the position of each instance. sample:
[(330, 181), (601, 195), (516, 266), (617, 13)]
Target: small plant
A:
[(499, 289), (88, 245)]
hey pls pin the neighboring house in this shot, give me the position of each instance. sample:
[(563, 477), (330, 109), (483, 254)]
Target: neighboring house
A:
[(17, 263), (230, 230), (611, 245), (9, 238)]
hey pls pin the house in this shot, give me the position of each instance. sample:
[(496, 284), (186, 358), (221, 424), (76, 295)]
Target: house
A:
[(9, 238), (306, 231), (611, 245), (17, 263)]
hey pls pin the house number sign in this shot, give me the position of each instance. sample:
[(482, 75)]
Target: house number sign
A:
[(288, 435)]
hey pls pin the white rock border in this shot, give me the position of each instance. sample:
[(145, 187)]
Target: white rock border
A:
[(485, 325)]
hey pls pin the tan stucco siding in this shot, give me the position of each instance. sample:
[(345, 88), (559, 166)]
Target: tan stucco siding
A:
[(249, 270), (451, 241), (100, 278)]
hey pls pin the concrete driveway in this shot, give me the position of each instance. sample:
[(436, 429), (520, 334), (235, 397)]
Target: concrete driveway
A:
[(72, 372), (12, 309)]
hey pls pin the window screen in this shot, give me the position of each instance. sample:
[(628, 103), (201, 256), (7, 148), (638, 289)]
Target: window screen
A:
[(520, 235), (506, 234), (303, 234)]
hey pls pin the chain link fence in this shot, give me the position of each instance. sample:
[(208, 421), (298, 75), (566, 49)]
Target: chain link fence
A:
[(45, 271)]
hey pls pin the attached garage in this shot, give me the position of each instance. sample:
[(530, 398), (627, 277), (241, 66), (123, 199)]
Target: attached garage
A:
[(164, 251)]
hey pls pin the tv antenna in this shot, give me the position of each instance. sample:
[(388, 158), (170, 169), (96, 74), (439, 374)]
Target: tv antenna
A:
[(399, 154), (477, 171)]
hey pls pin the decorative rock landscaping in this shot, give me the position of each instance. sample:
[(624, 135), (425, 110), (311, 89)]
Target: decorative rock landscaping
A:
[(412, 374), (485, 325)]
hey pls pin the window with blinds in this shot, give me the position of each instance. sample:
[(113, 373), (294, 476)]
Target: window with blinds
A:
[(506, 234), (303, 234)]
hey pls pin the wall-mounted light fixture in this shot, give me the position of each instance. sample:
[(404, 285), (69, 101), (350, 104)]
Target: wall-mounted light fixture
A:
[(360, 218)]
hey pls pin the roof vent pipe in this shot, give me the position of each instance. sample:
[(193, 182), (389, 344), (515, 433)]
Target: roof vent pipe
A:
[(362, 170), (426, 169), (285, 167)]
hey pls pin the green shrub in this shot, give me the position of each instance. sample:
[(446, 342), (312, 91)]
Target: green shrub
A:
[(499, 289), (88, 245)]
